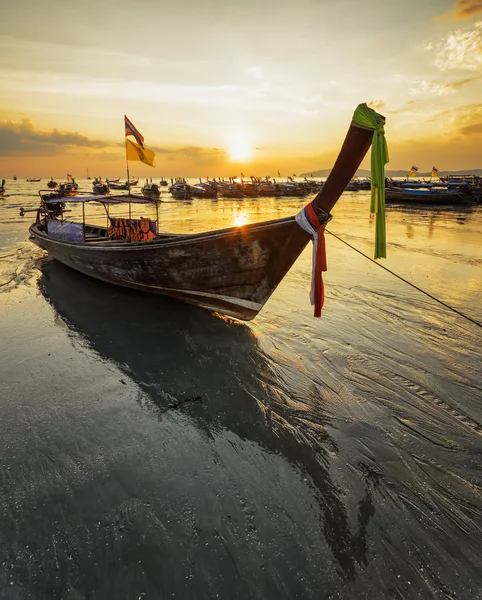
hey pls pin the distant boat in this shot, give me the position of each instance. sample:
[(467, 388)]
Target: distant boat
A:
[(163, 182), (181, 190), (115, 185), (151, 190), (52, 184), (2, 187), (100, 188), (436, 194), (229, 190), (68, 188), (31, 180), (15, 178), (203, 190), (88, 174)]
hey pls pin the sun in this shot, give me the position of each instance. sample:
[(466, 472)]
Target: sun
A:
[(239, 149)]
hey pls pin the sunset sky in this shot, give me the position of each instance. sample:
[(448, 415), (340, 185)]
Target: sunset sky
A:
[(217, 87)]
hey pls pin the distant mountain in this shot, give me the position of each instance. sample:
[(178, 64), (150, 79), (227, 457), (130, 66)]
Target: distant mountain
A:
[(389, 173)]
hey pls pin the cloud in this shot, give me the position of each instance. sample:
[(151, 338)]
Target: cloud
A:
[(23, 140), (463, 9), (461, 50), (476, 128), (429, 88), (196, 154), (424, 87), (403, 109), (456, 84), (376, 104), (463, 120)]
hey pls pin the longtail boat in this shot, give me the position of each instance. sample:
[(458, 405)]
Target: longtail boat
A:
[(430, 194), (232, 271)]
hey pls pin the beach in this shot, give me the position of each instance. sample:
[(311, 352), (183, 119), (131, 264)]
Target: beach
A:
[(151, 449)]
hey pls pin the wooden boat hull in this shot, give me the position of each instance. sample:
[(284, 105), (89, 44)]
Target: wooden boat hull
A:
[(233, 271)]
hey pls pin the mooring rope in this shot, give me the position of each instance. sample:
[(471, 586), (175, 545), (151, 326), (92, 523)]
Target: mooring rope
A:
[(406, 281)]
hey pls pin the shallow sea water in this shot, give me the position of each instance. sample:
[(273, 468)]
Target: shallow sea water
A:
[(150, 449)]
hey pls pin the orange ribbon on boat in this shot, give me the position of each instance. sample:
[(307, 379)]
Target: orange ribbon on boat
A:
[(308, 220)]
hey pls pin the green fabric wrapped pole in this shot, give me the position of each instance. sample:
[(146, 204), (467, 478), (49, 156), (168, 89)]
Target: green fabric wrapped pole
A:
[(369, 119)]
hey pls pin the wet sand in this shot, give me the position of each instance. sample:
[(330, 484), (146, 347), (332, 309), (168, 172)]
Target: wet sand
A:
[(153, 450)]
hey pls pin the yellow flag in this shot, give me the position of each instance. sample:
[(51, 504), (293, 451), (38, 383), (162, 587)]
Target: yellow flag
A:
[(135, 152)]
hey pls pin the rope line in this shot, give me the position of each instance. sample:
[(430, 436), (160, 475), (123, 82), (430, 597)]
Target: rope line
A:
[(406, 281)]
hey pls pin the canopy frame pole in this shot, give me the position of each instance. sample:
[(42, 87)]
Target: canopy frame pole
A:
[(128, 175), (157, 218), (83, 219)]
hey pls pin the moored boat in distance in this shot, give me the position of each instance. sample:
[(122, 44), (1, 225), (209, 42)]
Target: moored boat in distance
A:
[(68, 188), (313, 185), (291, 188), (52, 184), (470, 182), (100, 187), (180, 190), (115, 185), (204, 190), (2, 187), (151, 190), (229, 190), (429, 194), (163, 182), (232, 271), (34, 180)]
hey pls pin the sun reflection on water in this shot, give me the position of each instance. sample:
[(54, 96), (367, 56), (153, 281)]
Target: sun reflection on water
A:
[(240, 219)]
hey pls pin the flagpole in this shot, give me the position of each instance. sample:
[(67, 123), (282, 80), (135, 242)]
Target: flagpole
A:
[(128, 176)]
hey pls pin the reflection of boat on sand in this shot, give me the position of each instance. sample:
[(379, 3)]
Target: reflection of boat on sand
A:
[(233, 271), (145, 336)]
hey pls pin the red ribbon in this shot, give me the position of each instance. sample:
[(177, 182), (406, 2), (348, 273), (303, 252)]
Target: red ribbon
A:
[(320, 260)]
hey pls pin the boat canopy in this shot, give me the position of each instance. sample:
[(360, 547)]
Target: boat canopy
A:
[(112, 199)]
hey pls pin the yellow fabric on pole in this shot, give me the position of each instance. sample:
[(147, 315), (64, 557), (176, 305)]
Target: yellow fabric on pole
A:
[(135, 152)]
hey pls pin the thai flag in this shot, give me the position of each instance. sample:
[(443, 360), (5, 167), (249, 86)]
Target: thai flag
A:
[(131, 130), (414, 169)]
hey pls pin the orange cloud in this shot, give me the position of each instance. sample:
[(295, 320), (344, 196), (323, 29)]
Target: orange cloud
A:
[(463, 120), (476, 128), (463, 9)]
